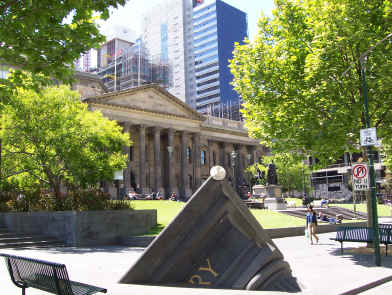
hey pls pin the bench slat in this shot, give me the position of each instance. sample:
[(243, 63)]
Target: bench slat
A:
[(364, 234), (46, 276)]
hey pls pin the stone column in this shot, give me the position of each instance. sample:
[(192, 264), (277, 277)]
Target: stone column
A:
[(251, 150), (171, 162), (142, 158), (238, 164), (222, 155), (184, 185), (196, 159), (127, 170), (157, 161), (209, 156)]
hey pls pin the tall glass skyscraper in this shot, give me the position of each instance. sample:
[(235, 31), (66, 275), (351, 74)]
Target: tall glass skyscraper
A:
[(167, 34), (216, 27), (197, 38)]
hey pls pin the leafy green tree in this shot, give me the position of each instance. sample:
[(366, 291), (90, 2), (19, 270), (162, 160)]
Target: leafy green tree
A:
[(51, 139), (46, 36), (300, 78), (254, 173), (40, 39)]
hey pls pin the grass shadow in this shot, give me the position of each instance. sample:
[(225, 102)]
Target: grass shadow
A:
[(155, 230)]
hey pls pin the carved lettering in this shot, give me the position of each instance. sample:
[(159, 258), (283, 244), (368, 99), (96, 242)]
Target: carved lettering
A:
[(199, 279), (209, 268)]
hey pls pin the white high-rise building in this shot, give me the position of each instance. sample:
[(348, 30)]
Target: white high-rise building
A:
[(167, 34), (197, 39)]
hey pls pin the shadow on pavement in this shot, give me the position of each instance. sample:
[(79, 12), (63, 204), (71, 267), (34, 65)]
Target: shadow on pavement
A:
[(82, 250), (362, 256), (323, 244)]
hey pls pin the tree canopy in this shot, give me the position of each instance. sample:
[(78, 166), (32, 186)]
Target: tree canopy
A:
[(46, 36), (51, 139), (40, 39), (300, 78)]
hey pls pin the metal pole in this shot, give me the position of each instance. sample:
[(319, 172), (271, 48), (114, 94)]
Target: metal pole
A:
[(371, 170), (303, 181)]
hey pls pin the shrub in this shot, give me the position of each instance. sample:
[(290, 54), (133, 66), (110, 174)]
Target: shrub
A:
[(82, 200)]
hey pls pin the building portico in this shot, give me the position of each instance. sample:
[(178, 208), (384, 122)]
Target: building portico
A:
[(174, 147)]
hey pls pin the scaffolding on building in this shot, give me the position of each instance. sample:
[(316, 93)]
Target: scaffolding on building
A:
[(134, 67), (228, 110), (335, 180)]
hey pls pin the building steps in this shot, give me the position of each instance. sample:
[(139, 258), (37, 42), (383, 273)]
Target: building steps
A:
[(16, 240), (138, 241)]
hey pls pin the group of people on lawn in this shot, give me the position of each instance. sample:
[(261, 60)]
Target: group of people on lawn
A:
[(152, 196)]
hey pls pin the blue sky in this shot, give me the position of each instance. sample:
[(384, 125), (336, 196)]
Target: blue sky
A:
[(253, 8), (130, 15)]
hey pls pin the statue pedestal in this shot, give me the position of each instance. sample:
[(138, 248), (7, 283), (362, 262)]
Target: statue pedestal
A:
[(259, 191), (272, 195)]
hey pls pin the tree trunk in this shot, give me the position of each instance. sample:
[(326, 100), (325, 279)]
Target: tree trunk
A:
[(0, 157)]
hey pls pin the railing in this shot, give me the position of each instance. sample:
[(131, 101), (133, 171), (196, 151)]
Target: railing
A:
[(216, 122)]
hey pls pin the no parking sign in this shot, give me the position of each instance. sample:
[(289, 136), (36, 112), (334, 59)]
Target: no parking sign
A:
[(360, 177)]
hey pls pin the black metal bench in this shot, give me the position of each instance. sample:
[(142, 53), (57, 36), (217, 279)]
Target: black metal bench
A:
[(363, 234), (47, 276)]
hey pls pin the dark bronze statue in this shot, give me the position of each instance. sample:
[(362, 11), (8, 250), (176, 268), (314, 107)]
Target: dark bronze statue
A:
[(260, 176), (272, 177)]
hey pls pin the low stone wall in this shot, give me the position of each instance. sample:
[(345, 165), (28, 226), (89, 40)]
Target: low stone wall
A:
[(276, 233), (87, 228), (273, 233)]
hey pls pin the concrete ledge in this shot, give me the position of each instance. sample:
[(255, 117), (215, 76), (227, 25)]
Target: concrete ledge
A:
[(87, 228), (368, 286), (273, 233), (276, 233)]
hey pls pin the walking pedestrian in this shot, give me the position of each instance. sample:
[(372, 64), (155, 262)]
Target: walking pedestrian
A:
[(311, 224)]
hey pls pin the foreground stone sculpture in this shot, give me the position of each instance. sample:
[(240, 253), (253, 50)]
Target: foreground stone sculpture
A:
[(214, 242)]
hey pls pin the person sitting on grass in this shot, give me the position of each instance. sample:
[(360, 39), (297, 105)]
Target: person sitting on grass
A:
[(158, 196), (173, 197), (322, 217)]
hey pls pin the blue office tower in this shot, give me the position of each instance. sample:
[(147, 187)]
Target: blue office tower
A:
[(216, 27)]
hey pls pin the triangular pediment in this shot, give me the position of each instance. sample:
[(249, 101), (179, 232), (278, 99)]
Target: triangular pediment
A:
[(150, 98)]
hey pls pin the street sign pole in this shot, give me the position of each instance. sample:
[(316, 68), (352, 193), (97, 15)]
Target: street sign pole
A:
[(371, 174)]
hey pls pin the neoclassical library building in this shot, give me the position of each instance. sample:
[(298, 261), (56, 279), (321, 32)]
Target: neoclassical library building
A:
[(174, 147)]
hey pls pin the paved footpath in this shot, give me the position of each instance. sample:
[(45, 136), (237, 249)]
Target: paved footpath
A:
[(319, 268)]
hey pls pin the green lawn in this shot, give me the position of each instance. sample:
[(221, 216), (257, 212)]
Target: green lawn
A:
[(272, 219), (167, 210)]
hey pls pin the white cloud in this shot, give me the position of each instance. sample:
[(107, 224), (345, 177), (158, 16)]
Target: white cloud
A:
[(126, 20)]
